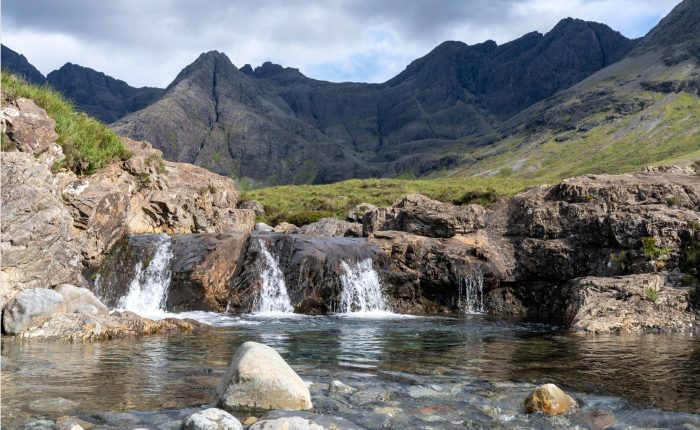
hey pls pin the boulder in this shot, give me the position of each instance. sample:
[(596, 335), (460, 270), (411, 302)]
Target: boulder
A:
[(287, 228), (259, 378), (331, 227), (80, 300), (211, 419), (420, 215), (300, 420), (358, 212), (28, 126), (550, 399), (256, 206), (262, 227), (39, 249), (30, 308)]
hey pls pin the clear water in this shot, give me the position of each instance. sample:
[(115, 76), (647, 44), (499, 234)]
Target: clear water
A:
[(274, 298), (468, 372), (362, 291), (148, 290)]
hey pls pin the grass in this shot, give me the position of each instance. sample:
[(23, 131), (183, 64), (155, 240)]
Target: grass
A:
[(87, 143), (652, 251), (651, 294), (301, 204)]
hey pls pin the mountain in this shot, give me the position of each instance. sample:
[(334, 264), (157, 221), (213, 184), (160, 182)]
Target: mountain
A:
[(641, 110), (274, 125), (19, 65), (99, 95)]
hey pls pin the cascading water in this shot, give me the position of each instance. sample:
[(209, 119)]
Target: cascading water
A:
[(273, 298), (148, 290), (362, 291), (471, 293)]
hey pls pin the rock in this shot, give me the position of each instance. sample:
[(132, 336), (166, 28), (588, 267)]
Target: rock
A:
[(54, 405), (262, 227), (420, 215), (72, 423), (550, 399), (256, 206), (358, 212), (299, 420), (286, 228), (286, 423), (212, 419), (30, 308), (80, 300), (250, 421), (259, 378), (331, 227), (39, 249), (28, 126), (340, 387)]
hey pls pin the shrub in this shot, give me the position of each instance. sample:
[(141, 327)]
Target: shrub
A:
[(651, 294), (484, 198), (87, 143), (652, 251), (301, 217)]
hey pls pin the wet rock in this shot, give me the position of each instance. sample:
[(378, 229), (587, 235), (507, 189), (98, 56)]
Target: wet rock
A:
[(423, 216), (39, 249), (287, 228), (291, 420), (331, 227), (259, 378), (250, 421), (80, 300), (550, 399), (55, 405), (30, 308), (262, 227), (340, 387), (212, 419), (256, 206), (358, 212)]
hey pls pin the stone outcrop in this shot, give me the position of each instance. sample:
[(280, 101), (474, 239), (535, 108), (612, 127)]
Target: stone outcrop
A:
[(259, 378), (550, 399), (211, 419), (331, 227)]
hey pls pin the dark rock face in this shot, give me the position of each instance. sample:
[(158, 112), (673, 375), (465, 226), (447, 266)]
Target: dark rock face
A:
[(99, 95), (274, 125), (19, 65)]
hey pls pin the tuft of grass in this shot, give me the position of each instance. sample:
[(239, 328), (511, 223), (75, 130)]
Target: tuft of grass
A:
[(87, 143), (481, 197), (651, 294), (301, 204)]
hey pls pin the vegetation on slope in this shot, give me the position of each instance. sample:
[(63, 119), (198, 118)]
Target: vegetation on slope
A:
[(87, 143), (302, 204)]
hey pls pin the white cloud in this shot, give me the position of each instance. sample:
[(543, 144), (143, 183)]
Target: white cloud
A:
[(148, 43)]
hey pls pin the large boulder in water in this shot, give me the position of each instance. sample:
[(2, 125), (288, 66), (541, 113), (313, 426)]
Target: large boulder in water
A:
[(211, 419), (550, 399), (259, 378), (30, 308)]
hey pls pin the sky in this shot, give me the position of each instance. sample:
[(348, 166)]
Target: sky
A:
[(146, 43)]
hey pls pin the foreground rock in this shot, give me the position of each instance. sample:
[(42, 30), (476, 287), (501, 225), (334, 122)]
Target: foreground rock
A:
[(30, 308), (259, 378), (290, 420), (81, 301), (211, 419), (550, 399), (331, 227)]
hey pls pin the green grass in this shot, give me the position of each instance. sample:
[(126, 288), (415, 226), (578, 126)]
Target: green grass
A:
[(300, 204), (87, 143), (651, 294)]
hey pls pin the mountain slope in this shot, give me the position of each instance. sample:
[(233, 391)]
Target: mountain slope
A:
[(19, 65), (644, 109), (99, 95), (269, 124)]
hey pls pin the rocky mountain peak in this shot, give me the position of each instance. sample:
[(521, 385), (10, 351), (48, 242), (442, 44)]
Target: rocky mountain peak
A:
[(18, 64), (679, 29)]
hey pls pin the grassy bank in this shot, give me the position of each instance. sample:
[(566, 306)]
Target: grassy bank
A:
[(301, 204), (87, 143)]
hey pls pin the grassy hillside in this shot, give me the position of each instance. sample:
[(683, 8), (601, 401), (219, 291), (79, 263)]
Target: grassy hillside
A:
[(87, 143), (302, 204)]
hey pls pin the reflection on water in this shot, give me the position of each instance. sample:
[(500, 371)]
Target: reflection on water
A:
[(464, 364)]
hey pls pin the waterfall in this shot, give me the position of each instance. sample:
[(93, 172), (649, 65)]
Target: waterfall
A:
[(362, 291), (471, 293), (273, 296), (148, 290)]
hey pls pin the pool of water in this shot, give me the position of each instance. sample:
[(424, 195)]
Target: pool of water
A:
[(420, 372)]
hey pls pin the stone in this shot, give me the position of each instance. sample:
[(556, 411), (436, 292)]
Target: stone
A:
[(256, 206), (54, 405), (211, 419), (286, 228), (300, 420), (72, 423), (259, 378), (331, 227), (340, 387), (28, 126), (550, 399), (358, 212), (262, 227), (250, 421), (30, 308), (80, 300), (286, 423)]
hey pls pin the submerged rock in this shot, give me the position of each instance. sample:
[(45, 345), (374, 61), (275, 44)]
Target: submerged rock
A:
[(550, 399), (291, 420), (211, 419), (259, 378), (30, 308)]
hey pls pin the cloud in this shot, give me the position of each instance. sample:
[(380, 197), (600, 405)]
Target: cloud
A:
[(148, 43)]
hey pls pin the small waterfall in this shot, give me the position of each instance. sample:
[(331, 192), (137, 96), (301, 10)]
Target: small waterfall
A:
[(273, 296), (148, 290), (471, 293), (362, 291)]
